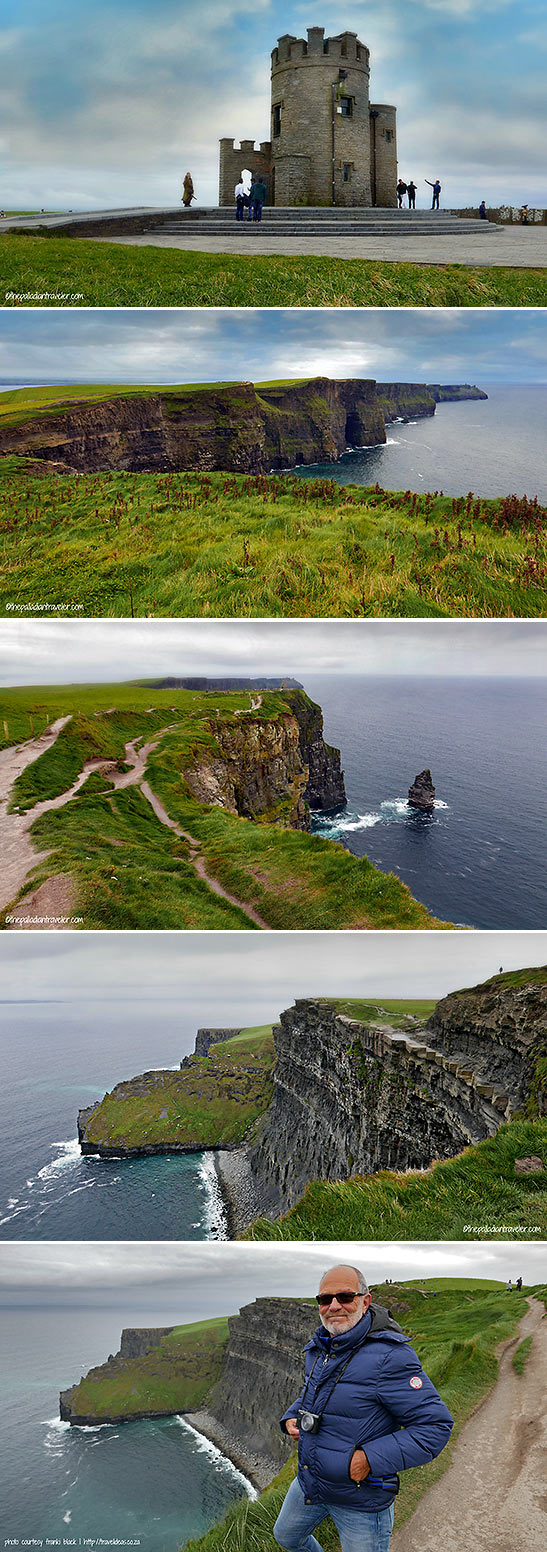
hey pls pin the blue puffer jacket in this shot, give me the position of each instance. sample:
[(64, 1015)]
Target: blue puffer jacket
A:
[(383, 1404)]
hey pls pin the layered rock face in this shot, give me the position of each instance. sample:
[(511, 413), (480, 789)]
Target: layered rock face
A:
[(258, 773), (325, 789), (351, 1098), (500, 1030), (262, 1373), (205, 1038), (238, 428), (422, 793), (269, 770)]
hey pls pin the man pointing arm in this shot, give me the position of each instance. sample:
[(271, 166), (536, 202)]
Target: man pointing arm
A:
[(367, 1411)]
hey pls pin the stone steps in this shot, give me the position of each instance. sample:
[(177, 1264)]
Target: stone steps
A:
[(317, 222)]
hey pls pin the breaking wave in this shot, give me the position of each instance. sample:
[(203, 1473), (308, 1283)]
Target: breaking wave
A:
[(390, 811)]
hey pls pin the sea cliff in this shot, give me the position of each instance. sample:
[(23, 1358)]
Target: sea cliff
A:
[(239, 427)]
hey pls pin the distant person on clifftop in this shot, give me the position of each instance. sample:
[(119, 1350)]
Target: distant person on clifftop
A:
[(411, 191), (436, 186), (366, 1412), (482, 210), (188, 191)]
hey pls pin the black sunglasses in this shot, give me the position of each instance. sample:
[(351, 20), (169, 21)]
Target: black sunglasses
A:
[(323, 1299)]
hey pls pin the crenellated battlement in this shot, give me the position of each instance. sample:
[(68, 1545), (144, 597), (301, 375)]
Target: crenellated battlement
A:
[(346, 46)]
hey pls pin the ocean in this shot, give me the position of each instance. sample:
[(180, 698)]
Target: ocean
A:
[(494, 447), (152, 1484), (480, 859), (65, 1056)]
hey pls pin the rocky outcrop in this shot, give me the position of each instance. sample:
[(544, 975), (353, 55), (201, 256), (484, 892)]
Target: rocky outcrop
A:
[(351, 1098), (256, 771), (450, 393), (205, 1038), (325, 788), (422, 793), (274, 770), (262, 1372), (498, 1028), (239, 428)]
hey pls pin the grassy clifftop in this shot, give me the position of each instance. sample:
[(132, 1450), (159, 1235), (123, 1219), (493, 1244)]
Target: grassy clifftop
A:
[(174, 1376), (455, 1326), (474, 1196), (190, 544), (214, 1100), (129, 869)]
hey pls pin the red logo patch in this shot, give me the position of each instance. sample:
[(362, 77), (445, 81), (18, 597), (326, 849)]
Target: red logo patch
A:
[(416, 1382)]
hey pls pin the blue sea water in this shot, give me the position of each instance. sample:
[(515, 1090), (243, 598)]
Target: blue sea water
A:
[(58, 1058), (494, 447), (480, 859), (153, 1483)]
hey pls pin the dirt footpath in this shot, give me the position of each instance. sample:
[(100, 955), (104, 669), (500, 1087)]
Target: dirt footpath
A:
[(493, 1498)]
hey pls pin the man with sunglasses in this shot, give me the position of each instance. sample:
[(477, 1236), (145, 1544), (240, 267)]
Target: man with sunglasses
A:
[(366, 1412)]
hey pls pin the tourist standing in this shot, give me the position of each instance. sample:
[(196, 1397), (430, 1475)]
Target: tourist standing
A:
[(436, 186), (411, 191), (188, 191), (482, 210), (258, 195), (239, 192), (401, 189)]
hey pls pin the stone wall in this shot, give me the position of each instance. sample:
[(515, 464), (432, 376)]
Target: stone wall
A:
[(234, 158)]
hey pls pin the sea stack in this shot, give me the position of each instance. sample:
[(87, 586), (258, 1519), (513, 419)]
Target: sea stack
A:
[(422, 793)]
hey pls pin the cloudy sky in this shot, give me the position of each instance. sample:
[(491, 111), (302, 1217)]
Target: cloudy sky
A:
[(109, 102), (233, 983), (168, 346), (171, 1282), (39, 652)]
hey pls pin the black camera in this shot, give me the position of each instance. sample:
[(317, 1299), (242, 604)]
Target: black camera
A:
[(308, 1422)]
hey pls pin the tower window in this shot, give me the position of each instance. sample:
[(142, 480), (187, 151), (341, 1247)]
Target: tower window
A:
[(346, 107), (348, 169), (277, 118), (389, 135), (344, 49)]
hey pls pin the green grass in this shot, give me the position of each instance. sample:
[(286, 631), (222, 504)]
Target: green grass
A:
[(213, 1101), (398, 1010), (452, 1200), (117, 544), (520, 1358), (131, 872), (114, 275), (175, 1376), (456, 1334)]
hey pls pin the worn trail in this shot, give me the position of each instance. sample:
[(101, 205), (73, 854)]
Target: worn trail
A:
[(494, 1494), (20, 857)]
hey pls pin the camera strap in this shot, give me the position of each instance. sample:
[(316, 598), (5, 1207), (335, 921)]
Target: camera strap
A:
[(338, 1376)]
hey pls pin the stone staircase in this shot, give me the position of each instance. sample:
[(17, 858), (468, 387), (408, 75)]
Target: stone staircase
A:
[(307, 221)]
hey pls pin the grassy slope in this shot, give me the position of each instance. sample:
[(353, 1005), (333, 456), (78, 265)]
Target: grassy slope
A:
[(18, 404), (132, 872), (174, 1376), (476, 1189), (216, 1100), (113, 275), (455, 1334), (191, 544)]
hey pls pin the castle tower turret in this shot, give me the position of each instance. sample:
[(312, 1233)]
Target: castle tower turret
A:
[(320, 127)]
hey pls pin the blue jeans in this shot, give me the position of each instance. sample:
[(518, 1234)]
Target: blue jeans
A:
[(358, 1531)]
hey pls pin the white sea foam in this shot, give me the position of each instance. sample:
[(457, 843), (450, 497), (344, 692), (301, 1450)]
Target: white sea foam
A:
[(67, 1517), (69, 1155), (215, 1211), (205, 1447)]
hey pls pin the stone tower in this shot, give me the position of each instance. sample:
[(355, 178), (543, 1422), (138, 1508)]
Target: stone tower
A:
[(329, 144)]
